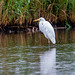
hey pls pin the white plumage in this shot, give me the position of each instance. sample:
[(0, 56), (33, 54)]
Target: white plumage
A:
[(47, 29)]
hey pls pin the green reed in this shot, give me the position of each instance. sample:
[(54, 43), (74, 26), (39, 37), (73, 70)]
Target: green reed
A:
[(24, 11)]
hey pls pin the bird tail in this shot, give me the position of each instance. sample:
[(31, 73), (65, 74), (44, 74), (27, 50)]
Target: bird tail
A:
[(53, 40)]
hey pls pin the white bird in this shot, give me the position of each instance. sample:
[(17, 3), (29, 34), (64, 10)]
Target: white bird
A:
[(47, 29)]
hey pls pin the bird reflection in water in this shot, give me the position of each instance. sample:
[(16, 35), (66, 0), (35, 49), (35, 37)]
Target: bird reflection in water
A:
[(48, 62)]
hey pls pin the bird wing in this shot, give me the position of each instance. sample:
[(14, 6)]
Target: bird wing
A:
[(48, 31)]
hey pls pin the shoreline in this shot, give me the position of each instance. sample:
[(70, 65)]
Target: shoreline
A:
[(16, 29)]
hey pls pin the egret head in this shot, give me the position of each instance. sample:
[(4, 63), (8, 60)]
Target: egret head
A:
[(40, 19)]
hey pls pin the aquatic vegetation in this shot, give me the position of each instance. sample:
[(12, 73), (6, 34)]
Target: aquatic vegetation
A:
[(22, 12)]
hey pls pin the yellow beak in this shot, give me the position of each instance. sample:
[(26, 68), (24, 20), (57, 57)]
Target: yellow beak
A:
[(36, 20)]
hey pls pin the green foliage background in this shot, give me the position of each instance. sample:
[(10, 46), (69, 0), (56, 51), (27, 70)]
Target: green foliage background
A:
[(24, 11)]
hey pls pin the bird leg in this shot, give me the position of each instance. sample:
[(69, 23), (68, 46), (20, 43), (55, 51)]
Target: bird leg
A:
[(49, 43)]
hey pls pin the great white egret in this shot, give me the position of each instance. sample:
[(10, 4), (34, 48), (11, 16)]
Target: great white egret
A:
[(47, 29)]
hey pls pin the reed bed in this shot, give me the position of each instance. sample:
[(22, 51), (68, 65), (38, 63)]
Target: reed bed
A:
[(23, 12)]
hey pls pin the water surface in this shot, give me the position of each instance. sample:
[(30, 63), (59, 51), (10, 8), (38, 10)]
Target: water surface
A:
[(29, 54)]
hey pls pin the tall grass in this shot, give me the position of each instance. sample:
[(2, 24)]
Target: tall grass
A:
[(22, 12), (13, 10)]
